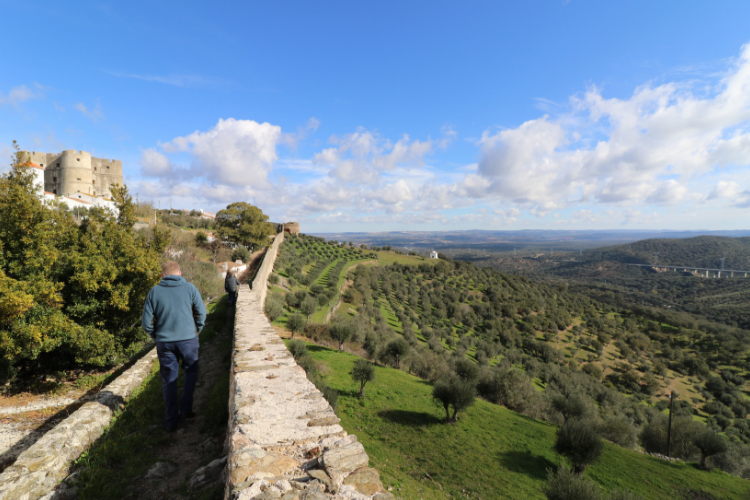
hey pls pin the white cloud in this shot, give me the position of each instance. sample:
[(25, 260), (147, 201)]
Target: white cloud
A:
[(617, 150), (21, 93), (363, 156), (155, 164), (732, 192), (637, 161), (175, 80), (234, 152), (94, 114)]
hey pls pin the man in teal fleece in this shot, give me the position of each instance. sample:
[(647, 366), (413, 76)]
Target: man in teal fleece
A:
[(174, 315)]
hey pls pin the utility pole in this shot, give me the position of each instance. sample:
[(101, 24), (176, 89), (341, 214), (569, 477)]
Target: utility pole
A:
[(672, 397)]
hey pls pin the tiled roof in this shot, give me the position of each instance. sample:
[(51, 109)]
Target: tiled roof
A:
[(79, 201), (32, 164)]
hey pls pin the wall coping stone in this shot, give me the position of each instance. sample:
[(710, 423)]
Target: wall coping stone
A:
[(284, 439)]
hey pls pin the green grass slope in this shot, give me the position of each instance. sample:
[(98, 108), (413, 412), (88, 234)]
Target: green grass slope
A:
[(492, 452)]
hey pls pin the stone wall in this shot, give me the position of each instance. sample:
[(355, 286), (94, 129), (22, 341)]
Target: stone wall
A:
[(284, 439), (39, 469)]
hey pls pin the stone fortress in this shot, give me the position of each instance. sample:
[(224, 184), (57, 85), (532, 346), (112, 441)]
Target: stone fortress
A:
[(72, 172)]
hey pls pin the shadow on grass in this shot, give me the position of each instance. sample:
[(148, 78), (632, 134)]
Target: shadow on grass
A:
[(319, 348), (410, 418), (527, 463)]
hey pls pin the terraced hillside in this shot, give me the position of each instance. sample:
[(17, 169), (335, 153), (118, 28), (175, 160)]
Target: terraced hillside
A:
[(556, 349)]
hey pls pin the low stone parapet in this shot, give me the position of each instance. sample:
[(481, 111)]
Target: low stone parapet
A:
[(284, 439), (40, 468)]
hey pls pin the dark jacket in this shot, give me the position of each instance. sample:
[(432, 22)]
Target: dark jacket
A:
[(231, 283), (173, 310)]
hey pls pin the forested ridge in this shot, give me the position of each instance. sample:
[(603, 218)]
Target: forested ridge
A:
[(538, 349), (606, 275)]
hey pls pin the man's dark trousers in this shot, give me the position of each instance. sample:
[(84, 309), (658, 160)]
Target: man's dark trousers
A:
[(170, 353)]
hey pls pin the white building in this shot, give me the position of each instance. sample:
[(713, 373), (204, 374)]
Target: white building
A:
[(236, 267), (433, 255), (74, 200)]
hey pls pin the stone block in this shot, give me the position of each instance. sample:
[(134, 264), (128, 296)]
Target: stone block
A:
[(365, 480), (346, 458)]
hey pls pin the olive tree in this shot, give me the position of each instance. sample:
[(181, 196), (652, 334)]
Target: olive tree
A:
[(295, 323), (456, 393), (709, 443), (363, 372), (308, 306), (579, 441), (396, 350), (341, 331)]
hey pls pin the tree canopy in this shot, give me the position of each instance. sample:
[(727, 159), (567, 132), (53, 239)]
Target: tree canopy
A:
[(244, 224), (71, 293)]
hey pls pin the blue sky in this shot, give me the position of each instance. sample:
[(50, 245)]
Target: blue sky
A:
[(371, 116)]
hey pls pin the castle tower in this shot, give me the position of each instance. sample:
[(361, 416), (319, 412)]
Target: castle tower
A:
[(74, 171)]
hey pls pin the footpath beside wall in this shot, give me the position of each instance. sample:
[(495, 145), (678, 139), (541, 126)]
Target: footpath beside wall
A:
[(284, 440), (39, 469)]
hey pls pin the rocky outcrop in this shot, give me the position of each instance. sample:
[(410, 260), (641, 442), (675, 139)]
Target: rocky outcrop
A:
[(284, 439), (39, 469)]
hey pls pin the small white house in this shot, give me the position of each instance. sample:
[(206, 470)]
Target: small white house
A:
[(433, 255), (236, 267)]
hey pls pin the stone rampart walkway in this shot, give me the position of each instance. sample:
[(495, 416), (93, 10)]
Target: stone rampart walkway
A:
[(284, 439)]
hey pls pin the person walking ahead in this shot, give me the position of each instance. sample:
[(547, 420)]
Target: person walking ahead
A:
[(231, 284), (174, 315)]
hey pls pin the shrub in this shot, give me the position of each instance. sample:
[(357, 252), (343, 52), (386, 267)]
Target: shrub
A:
[(274, 279), (274, 308), (619, 430), (623, 495), (201, 238), (241, 253), (653, 435), (573, 406), (593, 370), (565, 485), (201, 274), (363, 372), (70, 295), (579, 442), (298, 348), (512, 389), (453, 392), (467, 370)]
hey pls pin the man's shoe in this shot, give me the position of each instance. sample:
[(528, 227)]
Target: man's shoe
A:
[(172, 429), (190, 414)]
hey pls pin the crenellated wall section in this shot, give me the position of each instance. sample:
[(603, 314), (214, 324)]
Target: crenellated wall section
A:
[(284, 439)]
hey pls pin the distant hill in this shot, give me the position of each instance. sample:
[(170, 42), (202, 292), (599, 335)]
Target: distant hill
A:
[(508, 241), (604, 274), (701, 251)]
